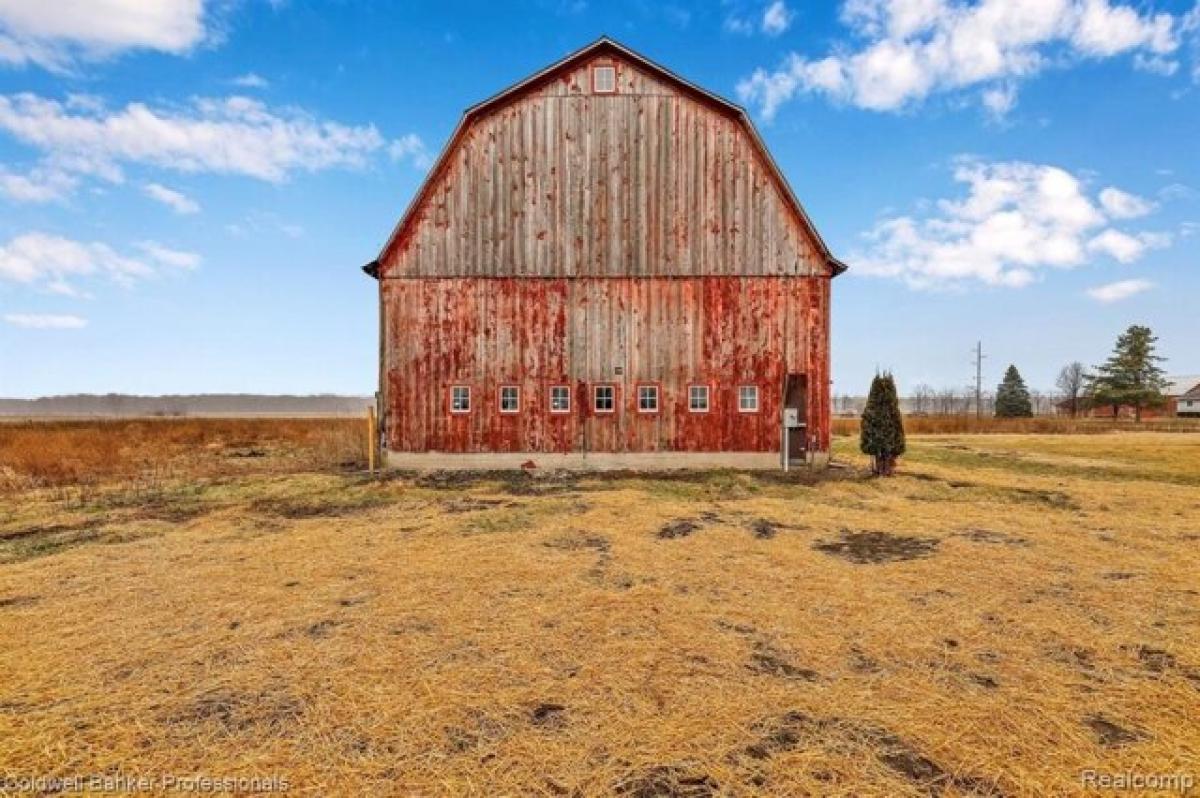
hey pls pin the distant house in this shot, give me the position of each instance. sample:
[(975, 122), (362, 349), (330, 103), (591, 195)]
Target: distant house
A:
[(1188, 404), (1180, 390), (1183, 399)]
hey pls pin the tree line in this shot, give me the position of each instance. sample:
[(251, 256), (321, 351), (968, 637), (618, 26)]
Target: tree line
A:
[(1131, 377)]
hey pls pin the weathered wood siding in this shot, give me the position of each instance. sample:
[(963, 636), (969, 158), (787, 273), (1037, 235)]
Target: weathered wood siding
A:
[(719, 331), (562, 182), (582, 239)]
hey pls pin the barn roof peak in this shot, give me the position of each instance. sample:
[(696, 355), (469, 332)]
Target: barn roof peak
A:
[(606, 43)]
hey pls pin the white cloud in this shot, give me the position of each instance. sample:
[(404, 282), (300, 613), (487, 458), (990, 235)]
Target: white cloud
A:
[(259, 222), (175, 200), (410, 148), (56, 263), (1127, 248), (1120, 246), (43, 183), (235, 135), (1156, 64), (1122, 205), (1015, 220), (1122, 289), (907, 50), (45, 321), (999, 100), (175, 258), (741, 25), (56, 34), (250, 81), (777, 18)]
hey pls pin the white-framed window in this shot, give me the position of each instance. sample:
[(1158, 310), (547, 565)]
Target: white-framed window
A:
[(698, 398), (460, 399), (747, 398), (604, 79), (604, 398), (647, 398), (560, 399), (510, 399)]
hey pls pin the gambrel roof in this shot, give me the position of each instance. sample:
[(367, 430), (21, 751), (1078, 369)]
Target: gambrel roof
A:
[(605, 46)]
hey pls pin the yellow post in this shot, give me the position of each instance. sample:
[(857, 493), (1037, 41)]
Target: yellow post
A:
[(372, 438)]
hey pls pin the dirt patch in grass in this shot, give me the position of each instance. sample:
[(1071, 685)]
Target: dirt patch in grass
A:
[(679, 528), (780, 734), (579, 541), (1049, 498), (301, 507), (512, 482), (976, 535), (321, 629), (548, 715), (42, 530), (765, 529), (1110, 734), (872, 547), (470, 504), (667, 781), (13, 602), (233, 711), (43, 541), (499, 521), (796, 730), (768, 660), (477, 730), (1155, 660)]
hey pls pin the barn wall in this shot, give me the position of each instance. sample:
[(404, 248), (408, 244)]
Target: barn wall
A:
[(536, 333), (561, 182)]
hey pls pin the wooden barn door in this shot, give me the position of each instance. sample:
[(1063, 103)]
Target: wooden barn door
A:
[(795, 416)]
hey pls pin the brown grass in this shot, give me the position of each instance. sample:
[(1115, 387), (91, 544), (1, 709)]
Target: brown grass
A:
[(1007, 613), (1041, 425), (41, 453)]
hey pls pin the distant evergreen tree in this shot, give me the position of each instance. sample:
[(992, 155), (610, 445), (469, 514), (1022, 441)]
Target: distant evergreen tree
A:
[(882, 426), (1131, 375), (1012, 397)]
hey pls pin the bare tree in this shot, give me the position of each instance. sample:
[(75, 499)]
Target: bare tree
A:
[(946, 401), (1070, 384), (922, 399)]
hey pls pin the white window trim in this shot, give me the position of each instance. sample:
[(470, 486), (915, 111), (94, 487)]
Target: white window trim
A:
[(707, 398), (550, 396), (595, 84), (500, 399), (453, 389), (596, 395), (657, 398), (757, 402)]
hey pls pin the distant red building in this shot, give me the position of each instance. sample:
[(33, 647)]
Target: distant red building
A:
[(1182, 399), (605, 266)]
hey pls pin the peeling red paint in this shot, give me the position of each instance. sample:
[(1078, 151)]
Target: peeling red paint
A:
[(673, 332), (642, 236)]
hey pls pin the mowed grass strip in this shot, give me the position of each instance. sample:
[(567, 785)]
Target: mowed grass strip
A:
[(698, 634)]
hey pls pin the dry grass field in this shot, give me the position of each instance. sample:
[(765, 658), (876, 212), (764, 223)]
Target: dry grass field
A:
[(1007, 613)]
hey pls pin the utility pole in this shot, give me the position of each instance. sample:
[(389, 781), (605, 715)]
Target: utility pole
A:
[(979, 380)]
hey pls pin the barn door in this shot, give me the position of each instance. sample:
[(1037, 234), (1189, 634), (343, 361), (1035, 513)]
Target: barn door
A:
[(795, 416)]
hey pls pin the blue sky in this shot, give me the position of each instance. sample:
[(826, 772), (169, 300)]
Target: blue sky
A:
[(188, 188)]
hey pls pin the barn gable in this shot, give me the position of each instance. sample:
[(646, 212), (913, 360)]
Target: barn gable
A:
[(555, 177)]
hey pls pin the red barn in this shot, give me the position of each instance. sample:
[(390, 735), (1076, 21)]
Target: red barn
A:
[(605, 267)]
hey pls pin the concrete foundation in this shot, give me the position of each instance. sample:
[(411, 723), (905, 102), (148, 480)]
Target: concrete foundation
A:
[(594, 461)]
